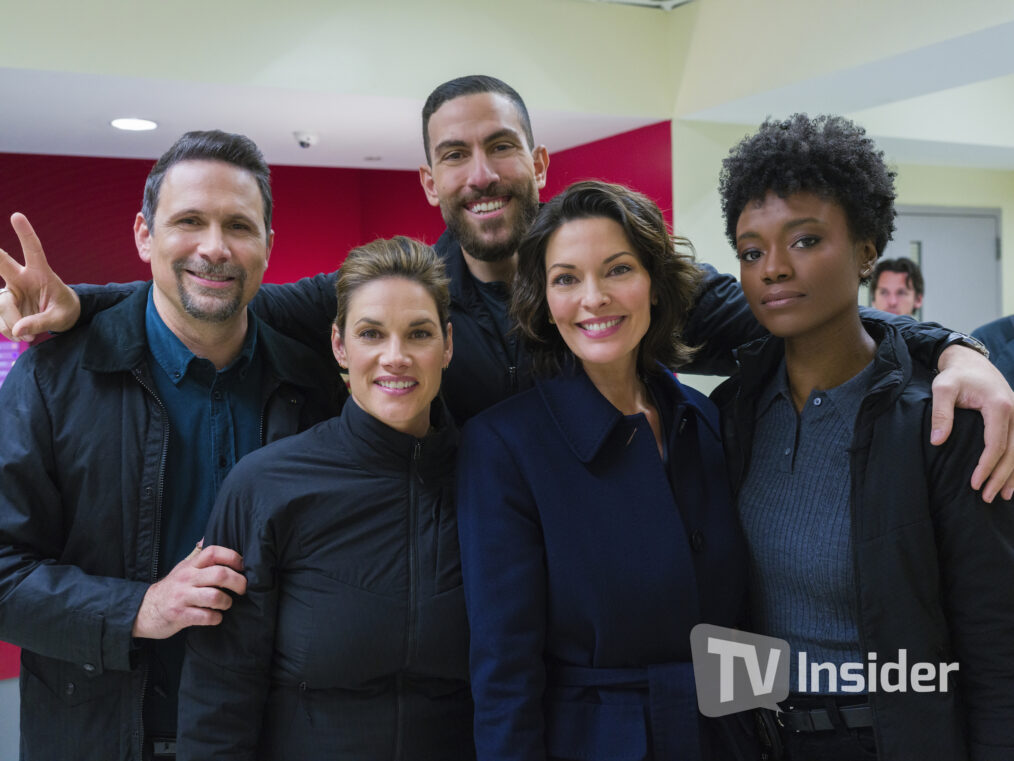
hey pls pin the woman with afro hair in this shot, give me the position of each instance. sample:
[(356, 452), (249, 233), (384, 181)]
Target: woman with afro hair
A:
[(891, 580)]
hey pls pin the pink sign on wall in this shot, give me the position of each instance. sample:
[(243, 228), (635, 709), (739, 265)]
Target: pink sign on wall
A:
[(9, 352)]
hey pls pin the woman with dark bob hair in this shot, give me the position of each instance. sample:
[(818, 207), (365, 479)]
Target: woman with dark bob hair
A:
[(870, 554), (595, 520), (351, 641)]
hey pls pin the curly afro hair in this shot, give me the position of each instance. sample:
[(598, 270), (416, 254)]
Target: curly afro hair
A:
[(828, 156)]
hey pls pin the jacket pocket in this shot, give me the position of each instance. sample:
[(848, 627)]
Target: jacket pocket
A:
[(596, 732)]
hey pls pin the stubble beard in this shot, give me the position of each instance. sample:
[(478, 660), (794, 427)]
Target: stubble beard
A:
[(206, 305), (469, 233)]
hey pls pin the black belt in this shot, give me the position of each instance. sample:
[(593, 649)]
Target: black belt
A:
[(819, 719)]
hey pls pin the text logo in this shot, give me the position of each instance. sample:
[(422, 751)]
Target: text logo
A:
[(738, 671)]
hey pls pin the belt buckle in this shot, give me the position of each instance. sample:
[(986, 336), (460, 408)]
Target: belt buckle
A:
[(161, 748)]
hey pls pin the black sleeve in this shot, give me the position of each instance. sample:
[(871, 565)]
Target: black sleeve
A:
[(97, 298), (721, 321), (975, 544), (303, 310), (227, 668)]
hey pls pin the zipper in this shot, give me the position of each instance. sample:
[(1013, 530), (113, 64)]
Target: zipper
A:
[(512, 374), (160, 488), (413, 474)]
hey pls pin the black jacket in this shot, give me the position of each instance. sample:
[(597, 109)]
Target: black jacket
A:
[(82, 460), (351, 642), (934, 564)]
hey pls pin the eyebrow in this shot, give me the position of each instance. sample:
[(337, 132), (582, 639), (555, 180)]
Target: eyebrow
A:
[(604, 261), (443, 145), (380, 323), (787, 226)]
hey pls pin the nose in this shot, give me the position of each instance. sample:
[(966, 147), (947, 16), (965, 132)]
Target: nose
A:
[(776, 266), (213, 245), (594, 295), (394, 355), (481, 173)]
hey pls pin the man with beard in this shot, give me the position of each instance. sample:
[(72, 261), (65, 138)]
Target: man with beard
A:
[(484, 170), (117, 437)]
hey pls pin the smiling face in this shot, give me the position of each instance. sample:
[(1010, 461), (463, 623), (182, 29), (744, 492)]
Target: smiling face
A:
[(208, 249), (483, 174), (799, 265), (598, 292), (394, 349), (893, 292)]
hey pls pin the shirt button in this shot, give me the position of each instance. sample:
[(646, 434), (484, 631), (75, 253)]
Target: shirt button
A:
[(217, 396), (697, 541), (221, 462), (817, 401), (89, 668), (788, 451), (68, 689)]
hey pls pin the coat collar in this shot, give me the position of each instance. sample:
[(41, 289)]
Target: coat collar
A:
[(117, 342), (586, 419), (381, 448)]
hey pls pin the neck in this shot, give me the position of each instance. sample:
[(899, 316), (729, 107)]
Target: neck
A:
[(619, 384), (492, 272), (218, 342), (827, 360)]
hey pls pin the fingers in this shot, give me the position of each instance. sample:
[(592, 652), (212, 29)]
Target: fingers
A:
[(31, 246), (10, 315), (997, 461), (217, 555), (945, 396)]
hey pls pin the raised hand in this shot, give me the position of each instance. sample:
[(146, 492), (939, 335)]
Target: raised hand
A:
[(34, 299)]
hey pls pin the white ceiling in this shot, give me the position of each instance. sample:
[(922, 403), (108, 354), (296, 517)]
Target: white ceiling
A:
[(947, 103), (68, 114)]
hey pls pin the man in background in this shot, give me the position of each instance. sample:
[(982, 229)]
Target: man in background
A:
[(897, 286)]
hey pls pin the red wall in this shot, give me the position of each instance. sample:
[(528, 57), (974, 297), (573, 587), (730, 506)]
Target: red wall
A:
[(83, 211), (640, 159)]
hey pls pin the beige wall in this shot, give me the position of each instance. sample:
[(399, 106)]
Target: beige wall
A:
[(949, 186)]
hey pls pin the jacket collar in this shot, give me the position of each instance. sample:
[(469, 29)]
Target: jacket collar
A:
[(117, 342), (380, 447), (892, 364), (586, 419)]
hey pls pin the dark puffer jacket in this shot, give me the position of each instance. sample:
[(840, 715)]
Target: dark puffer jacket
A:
[(82, 471), (351, 642)]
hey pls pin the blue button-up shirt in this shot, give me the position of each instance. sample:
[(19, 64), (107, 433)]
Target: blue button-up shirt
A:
[(214, 419)]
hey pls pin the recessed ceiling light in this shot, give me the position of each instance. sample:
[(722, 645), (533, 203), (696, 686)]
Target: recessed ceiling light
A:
[(372, 158), (134, 125)]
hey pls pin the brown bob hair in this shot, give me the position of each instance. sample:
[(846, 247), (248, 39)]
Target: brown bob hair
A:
[(674, 276)]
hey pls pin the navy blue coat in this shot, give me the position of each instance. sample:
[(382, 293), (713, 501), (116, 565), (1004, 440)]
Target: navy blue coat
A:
[(586, 563)]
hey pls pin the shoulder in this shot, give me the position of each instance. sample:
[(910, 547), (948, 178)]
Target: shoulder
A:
[(511, 414)]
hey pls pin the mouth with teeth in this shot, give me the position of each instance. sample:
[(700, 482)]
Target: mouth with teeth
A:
[(601, 327), (487, 206), (396, 386)]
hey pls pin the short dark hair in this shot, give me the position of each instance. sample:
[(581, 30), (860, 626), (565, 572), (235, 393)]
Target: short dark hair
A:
[(674, 277), (210, 145), (395, 257), (473, 84), (828, 156), (913, 275)]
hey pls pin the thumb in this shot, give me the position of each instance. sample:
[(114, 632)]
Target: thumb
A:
[(27, 328)]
